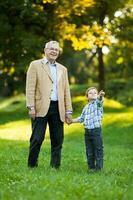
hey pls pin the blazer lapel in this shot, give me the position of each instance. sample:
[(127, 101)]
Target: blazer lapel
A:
[(59, 72), (46, 68)]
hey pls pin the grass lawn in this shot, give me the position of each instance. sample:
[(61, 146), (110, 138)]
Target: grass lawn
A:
[(72, 181)]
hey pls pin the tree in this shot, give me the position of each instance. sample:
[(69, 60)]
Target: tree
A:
[(89, 30), (120, 59), (27, 25)]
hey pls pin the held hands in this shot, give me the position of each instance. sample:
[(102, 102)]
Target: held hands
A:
[(68, 119)]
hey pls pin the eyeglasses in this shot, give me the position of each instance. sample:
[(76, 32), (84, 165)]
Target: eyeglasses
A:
[(53, 49)]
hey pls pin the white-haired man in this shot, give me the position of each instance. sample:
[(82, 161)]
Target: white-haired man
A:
[(48, 100)]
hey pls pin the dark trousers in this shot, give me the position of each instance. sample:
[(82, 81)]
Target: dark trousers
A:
[(56, 129), (94, 148)]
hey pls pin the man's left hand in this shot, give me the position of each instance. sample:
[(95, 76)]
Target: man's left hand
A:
[(68, 119)]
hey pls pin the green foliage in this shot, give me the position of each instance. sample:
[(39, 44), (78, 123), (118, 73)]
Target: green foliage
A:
[(27, 25), (121, 90), (120, 60), (78, 90), (114, 86), (79, 69)]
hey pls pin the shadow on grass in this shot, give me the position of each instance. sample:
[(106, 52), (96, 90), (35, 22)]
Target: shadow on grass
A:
[(12, 116), (14, 108), (113, 134), (78, 107), (20, 113), (14, 111)]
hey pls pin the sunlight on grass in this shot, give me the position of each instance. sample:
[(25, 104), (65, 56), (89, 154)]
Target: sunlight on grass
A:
[(73, 128), (79, 98), (107, 102), (124, 119), (112, 103), (20, 128)]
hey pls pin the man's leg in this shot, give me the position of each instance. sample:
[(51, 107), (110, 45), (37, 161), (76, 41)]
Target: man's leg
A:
[(56, 127), (37, 137), (98, 145), (89, 149)]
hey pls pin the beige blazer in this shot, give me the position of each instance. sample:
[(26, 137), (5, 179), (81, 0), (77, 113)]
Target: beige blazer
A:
[(39, 88)]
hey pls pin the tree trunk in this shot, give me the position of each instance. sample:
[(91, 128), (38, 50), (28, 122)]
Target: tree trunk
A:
[(101, 70), (5, 88)]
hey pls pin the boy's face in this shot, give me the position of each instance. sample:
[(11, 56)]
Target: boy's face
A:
[(92, 94)]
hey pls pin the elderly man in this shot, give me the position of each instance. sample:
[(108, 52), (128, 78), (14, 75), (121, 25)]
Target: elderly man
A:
[(48, 100)]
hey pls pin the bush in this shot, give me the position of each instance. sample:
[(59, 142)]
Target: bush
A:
[(120, 90), (79, 90), (113, 87)]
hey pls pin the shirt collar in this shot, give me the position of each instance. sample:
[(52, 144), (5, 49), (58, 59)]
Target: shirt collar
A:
[(45, 60), (92, 102)]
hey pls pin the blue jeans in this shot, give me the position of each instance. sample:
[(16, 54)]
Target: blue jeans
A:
[(94, 148)]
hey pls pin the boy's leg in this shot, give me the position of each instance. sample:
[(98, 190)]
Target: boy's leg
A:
[(98, 145), (89, 149), (37, 137)]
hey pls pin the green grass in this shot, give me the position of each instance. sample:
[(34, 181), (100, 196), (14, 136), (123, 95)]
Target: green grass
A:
[(72, 181)]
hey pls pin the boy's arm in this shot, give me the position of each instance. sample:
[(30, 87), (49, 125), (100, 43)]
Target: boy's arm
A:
[(76, 120), (101, 95), (100, 100), (79, 119)]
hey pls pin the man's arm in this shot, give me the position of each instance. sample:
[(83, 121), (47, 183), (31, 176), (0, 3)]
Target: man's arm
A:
[(30, 89), (67, 98)]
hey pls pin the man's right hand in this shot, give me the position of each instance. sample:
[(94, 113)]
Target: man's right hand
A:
[(32, 113)]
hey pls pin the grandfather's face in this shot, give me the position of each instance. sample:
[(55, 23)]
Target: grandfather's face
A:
[(52, 52)]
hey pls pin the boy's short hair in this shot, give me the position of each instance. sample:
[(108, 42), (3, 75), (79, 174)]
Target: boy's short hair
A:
[(90, 88)]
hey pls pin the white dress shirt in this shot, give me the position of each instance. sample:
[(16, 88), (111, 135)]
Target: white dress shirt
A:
[(54, 93), (53, 70)]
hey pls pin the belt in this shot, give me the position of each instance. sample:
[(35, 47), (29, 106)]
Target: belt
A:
[(54, 102)]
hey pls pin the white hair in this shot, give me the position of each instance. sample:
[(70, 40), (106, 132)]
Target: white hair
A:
[(53, 42)]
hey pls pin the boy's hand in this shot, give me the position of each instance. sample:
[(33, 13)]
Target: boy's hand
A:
[(101, 93)]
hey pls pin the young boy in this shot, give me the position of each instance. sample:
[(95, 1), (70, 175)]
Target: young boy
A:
[(92, 117)]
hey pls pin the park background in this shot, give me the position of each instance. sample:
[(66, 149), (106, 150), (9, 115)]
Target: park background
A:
[(96, 37)]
